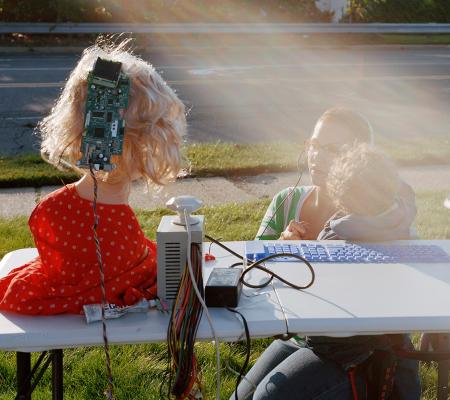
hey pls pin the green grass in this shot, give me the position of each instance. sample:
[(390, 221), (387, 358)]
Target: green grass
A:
[(241, 221), (225, 159), (139, 369), (380, 39), (14, 234), (414, 39), (415, 151), (30, 170), (433, 220), (229, 159)]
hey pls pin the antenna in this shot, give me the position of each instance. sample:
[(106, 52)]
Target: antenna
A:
[(181, 204)]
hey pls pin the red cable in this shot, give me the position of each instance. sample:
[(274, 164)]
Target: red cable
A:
[(351, 375)]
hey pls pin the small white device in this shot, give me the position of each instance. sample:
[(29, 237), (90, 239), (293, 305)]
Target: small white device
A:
[(171, 239), (181, 204)]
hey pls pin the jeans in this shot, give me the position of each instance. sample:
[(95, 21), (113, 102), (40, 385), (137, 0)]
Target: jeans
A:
[(287, 371)]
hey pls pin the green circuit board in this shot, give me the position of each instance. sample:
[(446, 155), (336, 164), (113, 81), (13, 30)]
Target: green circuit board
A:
[(104, 127)]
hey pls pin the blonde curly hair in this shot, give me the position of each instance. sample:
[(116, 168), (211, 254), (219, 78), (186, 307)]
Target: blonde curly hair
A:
[(363, 181), (155, 120)]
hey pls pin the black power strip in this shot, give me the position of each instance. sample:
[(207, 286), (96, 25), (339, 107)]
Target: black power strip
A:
[(223, 287)]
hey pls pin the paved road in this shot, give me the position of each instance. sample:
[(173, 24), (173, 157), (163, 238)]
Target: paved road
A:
[(256, 93), (214, 191)]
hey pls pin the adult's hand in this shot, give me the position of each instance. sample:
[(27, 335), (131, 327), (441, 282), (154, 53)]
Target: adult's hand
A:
[(295, 231)]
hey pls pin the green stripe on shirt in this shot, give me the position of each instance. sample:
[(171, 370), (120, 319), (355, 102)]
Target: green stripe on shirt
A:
[(291, 197)]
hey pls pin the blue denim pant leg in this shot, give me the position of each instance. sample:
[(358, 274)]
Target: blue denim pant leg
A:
[(287, 371), (277, 351), (407, 382)]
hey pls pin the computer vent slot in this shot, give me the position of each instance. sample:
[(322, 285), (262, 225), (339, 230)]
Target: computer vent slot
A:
[(173, 269)]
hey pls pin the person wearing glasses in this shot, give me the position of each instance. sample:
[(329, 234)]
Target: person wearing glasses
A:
[(301, 212), (355, 194)]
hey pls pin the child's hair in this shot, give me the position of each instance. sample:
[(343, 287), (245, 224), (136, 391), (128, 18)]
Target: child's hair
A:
[(352, 121), (155, 120), (363, 181)]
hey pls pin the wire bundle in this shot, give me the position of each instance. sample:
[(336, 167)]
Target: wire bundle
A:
[(184, 371)]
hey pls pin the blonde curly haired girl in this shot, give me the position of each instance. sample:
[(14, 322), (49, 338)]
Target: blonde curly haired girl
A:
[(66, 274)]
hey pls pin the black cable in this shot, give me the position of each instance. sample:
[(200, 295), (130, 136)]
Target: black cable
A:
[(110, 389), (248, 350), (242, 264), (235, 254), (274, 275), (225, 247), (260, 267)]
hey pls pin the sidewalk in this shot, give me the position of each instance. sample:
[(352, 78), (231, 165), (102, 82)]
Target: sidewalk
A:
[(217, 190)]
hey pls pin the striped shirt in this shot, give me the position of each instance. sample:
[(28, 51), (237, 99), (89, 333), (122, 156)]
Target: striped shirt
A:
[(293, 197)]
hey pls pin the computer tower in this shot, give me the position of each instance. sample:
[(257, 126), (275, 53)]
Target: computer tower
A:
[(171, 241)]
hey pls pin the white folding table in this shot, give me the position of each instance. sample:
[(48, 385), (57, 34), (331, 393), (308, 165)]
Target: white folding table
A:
[(345, 300)]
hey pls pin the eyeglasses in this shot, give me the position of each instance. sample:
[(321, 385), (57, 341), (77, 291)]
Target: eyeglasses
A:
[(313, 145)]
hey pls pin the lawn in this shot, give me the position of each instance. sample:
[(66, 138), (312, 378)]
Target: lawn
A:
[(228, 159), (138, 370)]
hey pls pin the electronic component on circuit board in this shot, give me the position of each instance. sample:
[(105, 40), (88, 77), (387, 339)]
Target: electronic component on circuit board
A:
[(104, 126)]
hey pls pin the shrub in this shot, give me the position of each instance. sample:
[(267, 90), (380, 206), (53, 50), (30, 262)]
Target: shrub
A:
[(399, 11), (160, 11)]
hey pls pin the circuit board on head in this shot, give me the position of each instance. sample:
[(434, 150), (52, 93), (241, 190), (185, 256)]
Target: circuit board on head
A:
[(104, 126)]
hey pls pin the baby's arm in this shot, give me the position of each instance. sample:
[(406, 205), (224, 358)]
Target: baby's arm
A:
[(295, 231)]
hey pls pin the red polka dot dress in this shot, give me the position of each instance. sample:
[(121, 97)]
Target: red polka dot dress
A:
[(65, 275)]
